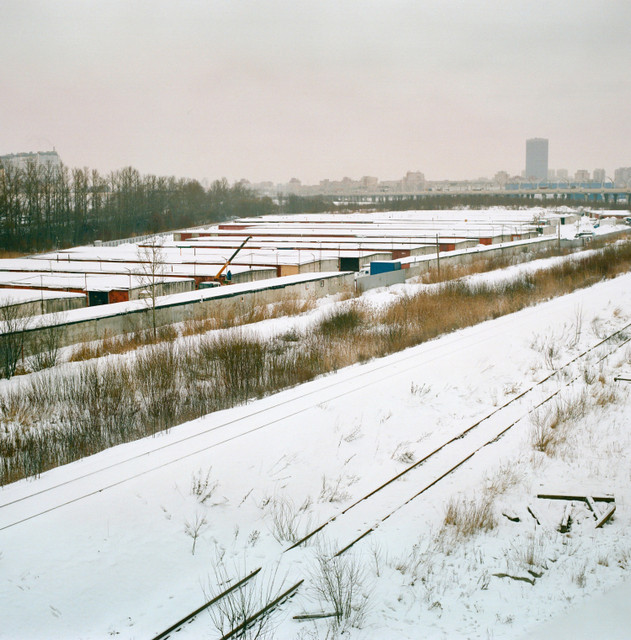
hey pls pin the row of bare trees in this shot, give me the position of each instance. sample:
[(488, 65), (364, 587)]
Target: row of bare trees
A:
[(43, 206)]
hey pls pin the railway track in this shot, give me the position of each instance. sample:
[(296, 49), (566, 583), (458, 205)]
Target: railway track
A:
[(17, 510), (455, 445), (439, 463)]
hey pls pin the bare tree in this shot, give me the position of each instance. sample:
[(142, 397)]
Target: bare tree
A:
[(151, 273), (13, 325), (46, 343)]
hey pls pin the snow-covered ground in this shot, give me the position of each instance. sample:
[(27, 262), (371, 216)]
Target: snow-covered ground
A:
[(104, 547)]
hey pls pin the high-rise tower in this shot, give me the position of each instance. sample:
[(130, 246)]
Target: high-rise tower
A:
[(537, 159)]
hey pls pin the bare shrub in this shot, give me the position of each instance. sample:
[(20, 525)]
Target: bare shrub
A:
[(238, 606), (531, 553), (605, 394), (588, 374), (338, 584), (85, 351), (403, 453), (294, 306), (420, 390), (15, 408), (286, 520), (335, 490), (194, 528), (570, 408), (352, 435), (241, 364), (156, 371), (152, 268), (202, 487), (577, 326), (550, 355), (597, 328), (543, 437)]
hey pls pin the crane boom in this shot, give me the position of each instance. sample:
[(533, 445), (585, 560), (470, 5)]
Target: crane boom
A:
[(231, 258)]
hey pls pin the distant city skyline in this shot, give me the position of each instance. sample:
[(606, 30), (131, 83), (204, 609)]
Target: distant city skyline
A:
[(316, 90), (412, 181)]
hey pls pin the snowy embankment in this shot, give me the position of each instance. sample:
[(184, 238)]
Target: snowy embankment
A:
[(127, 541)]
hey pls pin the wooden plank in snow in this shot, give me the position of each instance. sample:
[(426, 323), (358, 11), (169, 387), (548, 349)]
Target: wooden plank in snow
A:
[(316, 616), (592, 505), (605, 516), (603, 497), (532, 512), (565, 521)]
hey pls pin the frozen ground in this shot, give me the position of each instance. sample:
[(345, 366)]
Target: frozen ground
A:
[(104, 547)]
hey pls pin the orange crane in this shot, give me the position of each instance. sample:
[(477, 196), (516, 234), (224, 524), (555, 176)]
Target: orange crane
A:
[(221, 278)]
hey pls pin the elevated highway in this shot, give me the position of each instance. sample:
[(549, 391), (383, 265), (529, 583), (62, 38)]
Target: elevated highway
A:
[(609, 194)]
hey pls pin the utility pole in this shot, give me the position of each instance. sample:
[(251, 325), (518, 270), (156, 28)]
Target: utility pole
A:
[(559, 234), (438, 255)]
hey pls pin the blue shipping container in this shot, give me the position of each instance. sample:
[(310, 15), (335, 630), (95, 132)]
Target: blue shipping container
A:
[(384, 266)]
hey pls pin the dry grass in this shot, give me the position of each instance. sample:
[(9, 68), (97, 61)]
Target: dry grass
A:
[(551, 426), (544, 438), (123, 343), (505, 477), (604, 395), (224, 319), (103, 406), (466, 518)]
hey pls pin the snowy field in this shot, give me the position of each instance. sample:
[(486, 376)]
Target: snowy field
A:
[(126, 542)]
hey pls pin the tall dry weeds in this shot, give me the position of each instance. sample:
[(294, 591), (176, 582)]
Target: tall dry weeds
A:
[(81, 413)]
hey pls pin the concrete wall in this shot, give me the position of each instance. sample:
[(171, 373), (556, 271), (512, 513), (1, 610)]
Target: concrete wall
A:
[(386, 279), (366, 260), (227, 300), (51, 305), (324, 264), (467, 258), (163, 288), (253, 276)]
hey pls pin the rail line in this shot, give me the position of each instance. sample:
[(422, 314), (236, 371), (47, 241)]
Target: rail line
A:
[(434, 481), (495, 438), (187, 619), (474, 426), (263, 611), (317, 392)]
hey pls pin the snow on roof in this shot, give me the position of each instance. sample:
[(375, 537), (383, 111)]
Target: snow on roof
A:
[(175, 299), (188, 268), (20, 296), (82, 282)]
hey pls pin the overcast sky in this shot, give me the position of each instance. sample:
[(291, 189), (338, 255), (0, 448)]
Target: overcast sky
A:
[(313, 89)]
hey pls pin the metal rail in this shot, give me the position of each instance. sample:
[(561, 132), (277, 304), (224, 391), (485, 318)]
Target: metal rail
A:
[(464, 433), (189, 618), (495, 438), (317, 393), (268, 608)]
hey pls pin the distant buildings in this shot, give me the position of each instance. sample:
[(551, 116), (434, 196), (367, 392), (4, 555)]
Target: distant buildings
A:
[(599, 175), (537, 159), (414, 181), (622, 177), (38, 158)]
